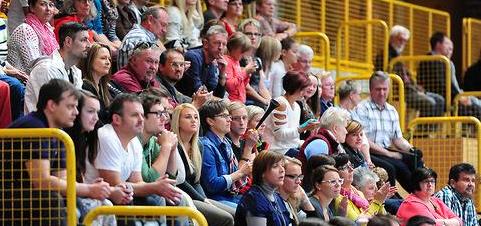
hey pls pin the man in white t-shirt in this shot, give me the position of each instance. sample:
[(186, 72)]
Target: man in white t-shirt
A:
[(119, 157)]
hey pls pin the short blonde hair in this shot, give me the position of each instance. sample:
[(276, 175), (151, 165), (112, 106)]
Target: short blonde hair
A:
[(239, 40)]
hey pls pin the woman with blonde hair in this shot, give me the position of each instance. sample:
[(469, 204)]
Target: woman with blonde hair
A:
[(185, 124), (185, 24), (291, 191), (231, 16)]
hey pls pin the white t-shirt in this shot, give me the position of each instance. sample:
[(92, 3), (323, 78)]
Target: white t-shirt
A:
[(112, 156)]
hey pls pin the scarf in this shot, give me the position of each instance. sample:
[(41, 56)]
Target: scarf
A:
[(45, 34), (357, 200)]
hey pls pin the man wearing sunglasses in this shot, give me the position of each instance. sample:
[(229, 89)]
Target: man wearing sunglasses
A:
[(139, 73), (152, 28)]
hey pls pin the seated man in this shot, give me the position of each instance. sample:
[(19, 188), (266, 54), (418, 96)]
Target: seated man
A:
[(381, 126), (171, 69), (119, 157), (215, 9), (152, 28), (432, 76), (428, 103), (458, 194), (207, 68), (139, 73), (74, 45), (328, 92), (271, 26), (41, 163)]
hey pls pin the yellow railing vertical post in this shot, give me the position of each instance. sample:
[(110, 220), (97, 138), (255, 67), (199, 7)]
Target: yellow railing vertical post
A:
[(323, 18), (369, 30), (298, 15)]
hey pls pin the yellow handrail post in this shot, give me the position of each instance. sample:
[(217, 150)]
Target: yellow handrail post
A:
[(70, 160), (345, 25)]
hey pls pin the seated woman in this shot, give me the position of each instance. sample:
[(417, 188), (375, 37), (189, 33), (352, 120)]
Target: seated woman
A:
[(243, 140), (310, 103), (231, 16), (269, 50), (96, 76), (262, 205), (185, 23), (328, 138), (84, 135), (34, 38), (365, 180), (278, 69), (291, 191), (254, 115), (271, 26), (327, 186), (282, 126), (185, 124), (222, 177), (351, 203), (237, 78), (354, 146), (82, 11), (422, 202)]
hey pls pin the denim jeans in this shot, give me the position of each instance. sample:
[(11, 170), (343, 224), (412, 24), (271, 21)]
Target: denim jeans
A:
[(17, 94)]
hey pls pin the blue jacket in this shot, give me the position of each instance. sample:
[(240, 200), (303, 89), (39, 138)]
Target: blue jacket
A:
[(215, 178), (257, 203), (198, 74)]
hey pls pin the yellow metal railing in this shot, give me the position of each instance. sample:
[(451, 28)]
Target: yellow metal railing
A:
[(471, 41), (401, 103), (150, 211), (322, 55), (16, 139), (411, 63), (459, 96), (327, 15), (454, 140), (344, 61)]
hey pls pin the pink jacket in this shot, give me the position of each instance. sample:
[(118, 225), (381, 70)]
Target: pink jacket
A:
[(412, 206)]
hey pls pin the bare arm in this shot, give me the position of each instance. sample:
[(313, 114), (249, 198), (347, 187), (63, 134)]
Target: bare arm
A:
[(39, 172), (402, 144)]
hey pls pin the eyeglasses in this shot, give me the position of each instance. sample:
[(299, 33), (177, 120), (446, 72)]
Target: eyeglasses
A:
[(347, 166), (178, 64), (334, 181), (252, 34), (295, 177), (145, 45), (225, 116), (429, 181), (159, 114)]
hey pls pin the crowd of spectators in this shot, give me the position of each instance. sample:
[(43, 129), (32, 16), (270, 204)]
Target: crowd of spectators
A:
[(165, 107)]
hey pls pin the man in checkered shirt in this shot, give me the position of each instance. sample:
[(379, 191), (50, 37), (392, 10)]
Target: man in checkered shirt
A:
[(458, 194), (380, 121)]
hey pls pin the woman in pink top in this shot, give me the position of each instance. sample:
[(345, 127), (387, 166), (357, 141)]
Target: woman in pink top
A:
[(237, 77), (422, 202)]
